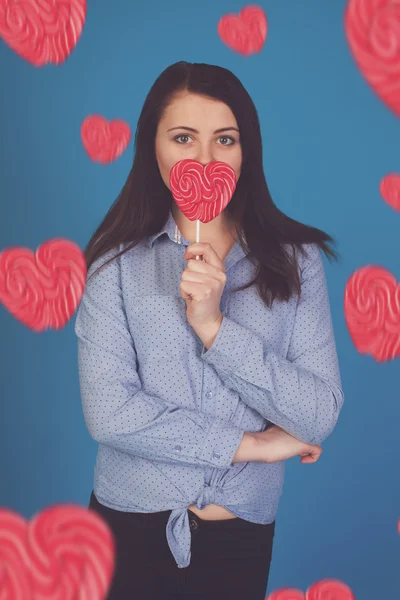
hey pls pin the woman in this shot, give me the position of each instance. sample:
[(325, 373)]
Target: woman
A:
[(199, 378)]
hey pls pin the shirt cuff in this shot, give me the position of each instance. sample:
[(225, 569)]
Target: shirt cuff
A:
[(221, 444), (229, 348)]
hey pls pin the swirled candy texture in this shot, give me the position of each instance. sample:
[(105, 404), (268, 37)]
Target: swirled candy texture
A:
[(104, 141), (390, 190), (65, 552), (372, 312), (43, 289), (202, 193), (327, 589), (373, 32), (42, 31), (246, 32)]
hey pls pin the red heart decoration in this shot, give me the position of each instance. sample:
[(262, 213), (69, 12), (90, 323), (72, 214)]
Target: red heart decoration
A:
[(43, 289), (245, 33), (390, 190), (42, 31), (373, 33), (326, 589), (329, 589), (202, 192), (286, 594), (64, 553), (104, 141), (372, 312)]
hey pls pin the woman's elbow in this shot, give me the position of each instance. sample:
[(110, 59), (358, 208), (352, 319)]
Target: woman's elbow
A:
[(325, 426), (96, 428)]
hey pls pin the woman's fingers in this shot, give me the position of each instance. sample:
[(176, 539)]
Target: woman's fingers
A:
[(307, 459), (311, 458)]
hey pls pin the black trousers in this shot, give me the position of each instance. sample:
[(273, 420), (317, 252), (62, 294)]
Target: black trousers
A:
[(230, 558)]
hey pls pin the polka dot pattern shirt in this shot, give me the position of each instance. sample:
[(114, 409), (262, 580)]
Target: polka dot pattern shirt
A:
[(168, 414)]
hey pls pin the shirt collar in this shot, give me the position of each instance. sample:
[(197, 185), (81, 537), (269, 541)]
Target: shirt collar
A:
[(172, 230)]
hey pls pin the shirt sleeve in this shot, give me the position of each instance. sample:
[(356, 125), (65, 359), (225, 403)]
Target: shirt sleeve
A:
[(301, 393), (117, 412)]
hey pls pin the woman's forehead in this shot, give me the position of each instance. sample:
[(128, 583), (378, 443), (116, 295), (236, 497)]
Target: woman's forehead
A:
[(191, 107)]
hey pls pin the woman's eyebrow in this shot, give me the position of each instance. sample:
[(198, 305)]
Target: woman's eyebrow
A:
[(195, 130)]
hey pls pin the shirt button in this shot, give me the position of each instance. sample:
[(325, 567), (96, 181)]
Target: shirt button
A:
[(178, 448), (193, 525), (216, 455), (209, 395)]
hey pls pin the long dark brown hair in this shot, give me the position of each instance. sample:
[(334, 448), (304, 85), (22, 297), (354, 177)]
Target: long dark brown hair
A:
[(143, 205)]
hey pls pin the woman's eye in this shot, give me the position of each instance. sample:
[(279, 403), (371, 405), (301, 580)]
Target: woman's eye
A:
[(226, 138), (179, 137)]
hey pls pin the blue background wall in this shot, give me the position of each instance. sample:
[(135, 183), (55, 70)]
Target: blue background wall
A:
[(328, 141)]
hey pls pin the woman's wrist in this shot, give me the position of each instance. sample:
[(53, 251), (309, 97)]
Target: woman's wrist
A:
[(249, 448)]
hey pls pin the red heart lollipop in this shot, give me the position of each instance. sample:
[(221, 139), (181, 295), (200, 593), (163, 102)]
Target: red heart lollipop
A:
[(326, 589), (372, 312), (43, 289), (390, 190), (64, 552), (105, 141), (329, 589), (42, 31), (373, 33), (202, 193), (245, 33)]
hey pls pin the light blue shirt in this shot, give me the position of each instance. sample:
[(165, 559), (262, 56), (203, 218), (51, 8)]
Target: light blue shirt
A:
[(168, 414)]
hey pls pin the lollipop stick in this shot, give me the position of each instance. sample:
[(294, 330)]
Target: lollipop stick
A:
[(197, 234)]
